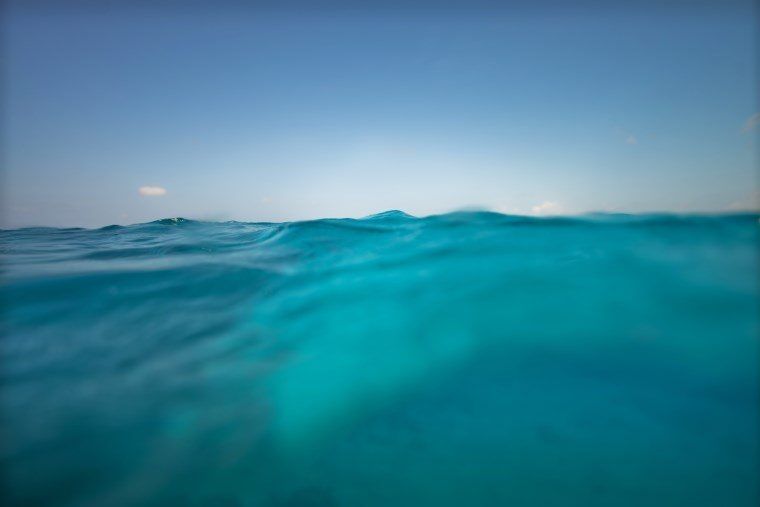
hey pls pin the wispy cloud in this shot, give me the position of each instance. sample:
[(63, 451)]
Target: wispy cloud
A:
[(152, 191), (627, 136), (546, 208), (752, 122)]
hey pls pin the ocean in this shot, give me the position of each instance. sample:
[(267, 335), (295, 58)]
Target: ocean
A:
[(464, 359)]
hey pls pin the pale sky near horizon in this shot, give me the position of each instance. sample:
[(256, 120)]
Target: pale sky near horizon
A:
[(120, 112)]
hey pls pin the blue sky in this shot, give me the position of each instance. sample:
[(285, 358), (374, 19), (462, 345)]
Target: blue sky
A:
[(264, 113)]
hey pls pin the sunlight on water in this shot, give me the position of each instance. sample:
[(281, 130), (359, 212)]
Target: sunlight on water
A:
[(463, 359)]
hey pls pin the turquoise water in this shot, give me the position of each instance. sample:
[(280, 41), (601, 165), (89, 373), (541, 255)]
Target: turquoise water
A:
[(463, 359)]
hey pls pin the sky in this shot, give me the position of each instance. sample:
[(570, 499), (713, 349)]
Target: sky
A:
[(125, 112)]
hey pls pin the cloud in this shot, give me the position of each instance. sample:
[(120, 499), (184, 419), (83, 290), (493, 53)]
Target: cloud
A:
[(507, 210), (750, 202), (545, 208), (152, 191), (627, 136), (752, 122)]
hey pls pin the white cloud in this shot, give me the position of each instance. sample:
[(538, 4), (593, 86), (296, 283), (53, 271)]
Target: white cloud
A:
[(752, 122), (507, 210), (546, 208), (152, 191), (631, 139), (750, 202)]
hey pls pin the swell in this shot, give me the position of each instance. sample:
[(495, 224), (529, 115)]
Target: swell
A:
[(189, 241)]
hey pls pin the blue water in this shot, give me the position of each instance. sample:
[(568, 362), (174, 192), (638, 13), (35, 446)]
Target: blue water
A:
[(467, 359)]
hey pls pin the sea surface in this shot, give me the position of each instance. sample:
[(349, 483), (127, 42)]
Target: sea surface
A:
[(465, 359)]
